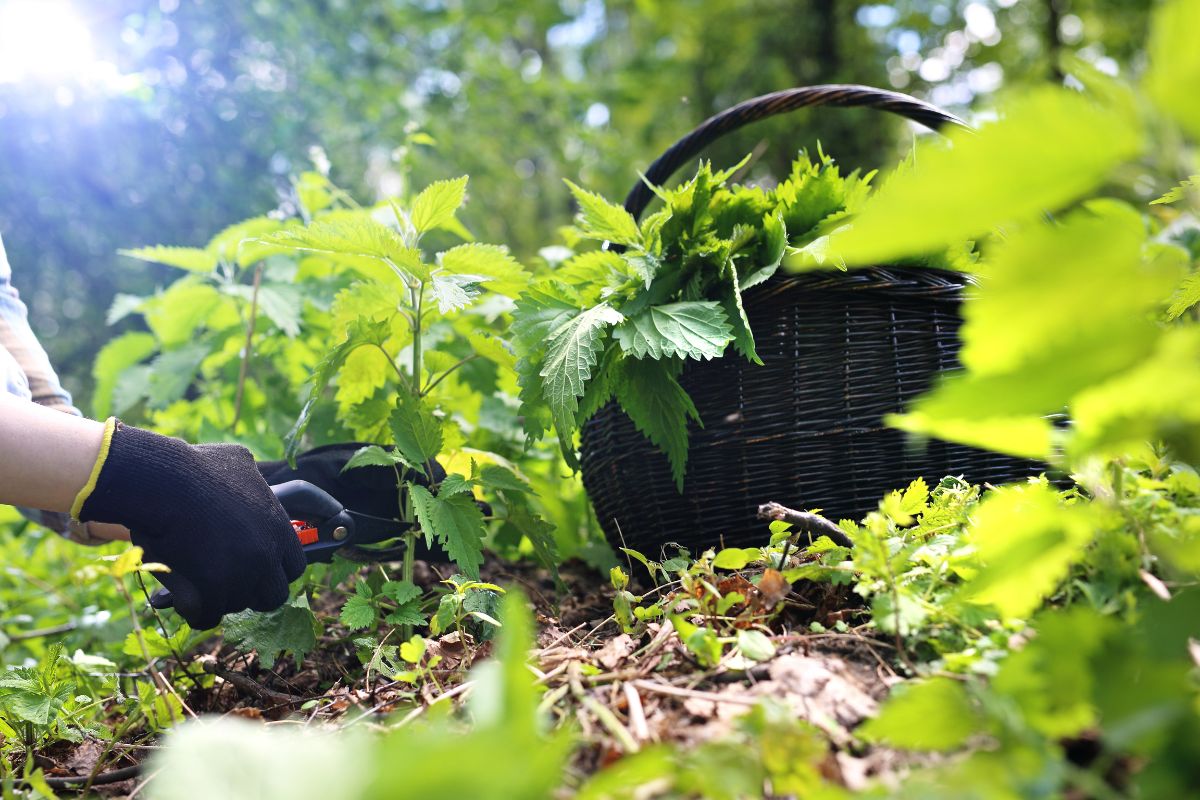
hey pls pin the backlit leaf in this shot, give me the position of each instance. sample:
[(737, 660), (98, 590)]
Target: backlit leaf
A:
[(1050, 147), (436, 204)]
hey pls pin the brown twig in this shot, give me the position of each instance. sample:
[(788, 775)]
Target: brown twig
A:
[(250, 686), (806, 522)]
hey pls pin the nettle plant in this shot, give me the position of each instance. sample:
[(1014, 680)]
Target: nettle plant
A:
[(620, 323), (406, 320), (344, 325)]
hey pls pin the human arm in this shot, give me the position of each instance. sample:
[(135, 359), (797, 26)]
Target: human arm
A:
[(48, 457)]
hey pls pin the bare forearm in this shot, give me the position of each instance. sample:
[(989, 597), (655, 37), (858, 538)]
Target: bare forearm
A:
[(45, 456)]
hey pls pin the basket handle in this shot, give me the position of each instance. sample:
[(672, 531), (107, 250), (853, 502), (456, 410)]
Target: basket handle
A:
[(768, 105)]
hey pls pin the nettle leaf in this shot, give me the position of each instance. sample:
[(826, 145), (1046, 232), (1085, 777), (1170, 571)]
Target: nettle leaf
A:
[(175, 315), (1050, 148), (359, 612), (192, 259), (360, 332), (172, 373), (364, 372), (401, 592), (735, 309), (1174, 70), (497, 477), (659, 408), (418, 433), (600, 219), (375, 456), (1026, 541), (455, 522), (237, 242), (291, 628), (436, 204), (1178, 192), (281, 303), (1185, 297), (573, 348), (491, 263), (455, 484), (114, 358), (453, 292), (354, 234), (698, 330)]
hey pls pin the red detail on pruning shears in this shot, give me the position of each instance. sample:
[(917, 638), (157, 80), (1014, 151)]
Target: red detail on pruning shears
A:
[(305, 533)]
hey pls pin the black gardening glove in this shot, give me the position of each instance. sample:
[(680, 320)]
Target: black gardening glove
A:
[(367, 490), (205, 512)]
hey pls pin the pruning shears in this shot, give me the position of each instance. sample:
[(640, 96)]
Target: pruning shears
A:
[(322, 524)]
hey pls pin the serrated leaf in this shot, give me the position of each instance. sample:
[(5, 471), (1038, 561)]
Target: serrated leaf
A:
[(540, 534), (454, 484), (491, 264), (373, 455), (436, 204), (1173, 78), (1051, 147), (236, 243), (359, 613), (172, 373), (1178, 192), (401, 591), (291, 628), (659, 408), (192, 259), (354, 234), (698, 330), (600, 219), (281, 303), (570, 355), (360, 332), (417, 432), (456, 523), (176, 314), (495, 476), (453, 292), (735, 309), (114, 358), (1185, 297), (1026, 541)]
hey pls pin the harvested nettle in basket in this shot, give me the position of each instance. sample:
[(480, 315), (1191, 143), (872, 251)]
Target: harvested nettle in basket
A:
[(704, 381)]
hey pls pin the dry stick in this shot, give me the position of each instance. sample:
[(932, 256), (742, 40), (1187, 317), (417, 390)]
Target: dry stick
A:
[(247, 350), (812, 524), (606, 717), (637, 715), (250, 686), (40, 632), (693, 694), (162, 683)]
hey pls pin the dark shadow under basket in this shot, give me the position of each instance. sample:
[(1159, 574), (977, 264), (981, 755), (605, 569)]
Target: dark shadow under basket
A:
[(840, 351)]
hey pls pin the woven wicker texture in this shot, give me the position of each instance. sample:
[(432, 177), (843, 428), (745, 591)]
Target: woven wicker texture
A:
[(840, 351)]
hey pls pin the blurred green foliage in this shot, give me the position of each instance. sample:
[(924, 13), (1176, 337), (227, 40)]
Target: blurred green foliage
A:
[(220, 102)]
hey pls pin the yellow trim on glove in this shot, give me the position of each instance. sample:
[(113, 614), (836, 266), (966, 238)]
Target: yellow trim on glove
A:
[(110, 426)]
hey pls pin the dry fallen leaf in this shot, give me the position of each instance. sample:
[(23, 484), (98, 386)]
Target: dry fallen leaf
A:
[(772, 588)]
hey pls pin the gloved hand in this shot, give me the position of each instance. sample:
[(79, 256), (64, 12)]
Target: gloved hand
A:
[(367, 490), (205, 512)]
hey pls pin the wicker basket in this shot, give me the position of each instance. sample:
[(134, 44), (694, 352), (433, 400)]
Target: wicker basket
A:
[(840, 350)]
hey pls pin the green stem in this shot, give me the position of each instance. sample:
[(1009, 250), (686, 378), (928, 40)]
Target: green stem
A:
[(418, 300)]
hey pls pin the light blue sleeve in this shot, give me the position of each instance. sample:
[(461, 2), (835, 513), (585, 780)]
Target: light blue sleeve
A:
[(25, 369), (12, 378)]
